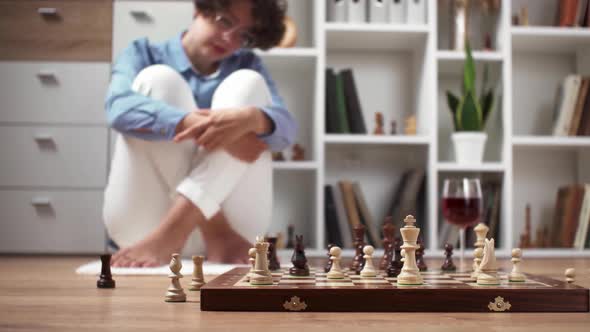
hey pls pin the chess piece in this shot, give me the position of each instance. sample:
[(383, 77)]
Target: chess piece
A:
[(252, 261), (273, 260), (478, 255), (378, 124), (368, 270), (335, 270), (515, 20), (393, 127), (524, 16), (198, 279), (289, 38), (570, 275), (329, 263), (410, 274), (261, 274), (525, 238), (106, 279), (481, 231), (410, 125), (487, 45), (300, 267), (395, 265), (388, 231), (358, 243), (420, 256), (516, 275), (290, 236), (298, 153), (175, 292), (488, 268), (278, 156), (448, 264)]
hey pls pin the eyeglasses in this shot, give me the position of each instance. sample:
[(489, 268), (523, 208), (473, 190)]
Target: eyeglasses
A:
[(227, 27)]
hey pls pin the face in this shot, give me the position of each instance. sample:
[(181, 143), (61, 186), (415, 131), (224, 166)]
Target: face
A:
[(223, 33)]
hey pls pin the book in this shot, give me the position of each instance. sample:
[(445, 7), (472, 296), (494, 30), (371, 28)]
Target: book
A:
[(584, 220), (495, 213), (584, 127), (554, 228), (333, 235), (337, 10), (332, 120), (409, 195), (416, 11), (357, 11), (354, 111), (378, 10), (397, 11), (581, 13), (569, 221), (345, 230), (567, 12), (570, 90), (343, 125), (366, 216), (349, 203), (579, 108)]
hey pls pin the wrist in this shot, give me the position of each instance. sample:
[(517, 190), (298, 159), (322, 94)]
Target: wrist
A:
[(260, 123)]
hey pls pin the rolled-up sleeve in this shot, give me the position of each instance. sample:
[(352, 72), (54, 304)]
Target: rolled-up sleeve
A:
[(132, 113), (284, 128)]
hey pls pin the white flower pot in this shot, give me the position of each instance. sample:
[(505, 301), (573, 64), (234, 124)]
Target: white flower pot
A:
[(469, 146)]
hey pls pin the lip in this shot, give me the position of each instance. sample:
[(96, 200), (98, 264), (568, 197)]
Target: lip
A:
[(218, 49)]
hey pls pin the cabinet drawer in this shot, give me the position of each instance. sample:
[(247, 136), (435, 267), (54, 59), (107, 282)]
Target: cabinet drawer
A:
[(55, 30), (157, 20), (53, 157), (51, 221), (53, 92)]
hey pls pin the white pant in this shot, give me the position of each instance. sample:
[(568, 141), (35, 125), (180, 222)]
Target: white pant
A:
[(145, 175)]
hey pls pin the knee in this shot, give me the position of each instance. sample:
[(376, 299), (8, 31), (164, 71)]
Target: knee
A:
[(243, 87), (157, 81)]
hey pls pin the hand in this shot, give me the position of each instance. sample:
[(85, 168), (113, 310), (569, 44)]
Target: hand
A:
[(196, 121), (247, 148), (224, 127)]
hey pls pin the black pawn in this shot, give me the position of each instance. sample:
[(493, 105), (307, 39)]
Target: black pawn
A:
[(420, 257), (329, 262), (395, 266), (106, 279), (300, 267), (448, 264), (290, 235), (359, 244), (273, 261)]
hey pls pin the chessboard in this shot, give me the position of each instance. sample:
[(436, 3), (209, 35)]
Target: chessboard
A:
[(441, 292)]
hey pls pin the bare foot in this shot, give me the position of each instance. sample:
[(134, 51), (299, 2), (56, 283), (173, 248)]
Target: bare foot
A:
[(229, 248), (154, 250)]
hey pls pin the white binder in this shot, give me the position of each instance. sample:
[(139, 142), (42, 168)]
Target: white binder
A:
[(378, 11), (337, 10), (397, 9), (357, 11), (416, 11)]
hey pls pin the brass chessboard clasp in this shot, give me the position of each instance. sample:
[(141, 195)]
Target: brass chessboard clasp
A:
[(295, 304), (499, 304)]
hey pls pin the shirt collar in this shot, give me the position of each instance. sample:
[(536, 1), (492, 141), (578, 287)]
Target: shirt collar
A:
[(178, 55)]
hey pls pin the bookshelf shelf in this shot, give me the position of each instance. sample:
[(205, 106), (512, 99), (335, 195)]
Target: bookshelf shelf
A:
[(451, 62), (296, 52), (550, 142), (362, 37), (375, 139), (295, 165), (484, 167), (549, 39)]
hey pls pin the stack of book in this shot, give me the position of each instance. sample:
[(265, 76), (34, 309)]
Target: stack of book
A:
[(377, 11), (343, 109), (571, 217), (572, 108), (346, 206)]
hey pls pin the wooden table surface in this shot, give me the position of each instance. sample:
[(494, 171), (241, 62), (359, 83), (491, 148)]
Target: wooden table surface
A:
[(44, 294)]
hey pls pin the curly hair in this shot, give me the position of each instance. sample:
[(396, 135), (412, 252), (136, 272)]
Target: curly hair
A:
[(268, 16)]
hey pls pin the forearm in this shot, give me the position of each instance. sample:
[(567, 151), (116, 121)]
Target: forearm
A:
[(261, 124)]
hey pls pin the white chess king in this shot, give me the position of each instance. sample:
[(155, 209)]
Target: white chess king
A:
[(410, 274)]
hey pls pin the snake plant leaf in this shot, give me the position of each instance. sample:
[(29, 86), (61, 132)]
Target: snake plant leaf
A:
[(487, 103), (468, 71), (469, 115), (453, 102)]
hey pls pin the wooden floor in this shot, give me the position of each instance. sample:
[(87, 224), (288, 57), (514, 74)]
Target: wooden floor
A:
[(44, 294)]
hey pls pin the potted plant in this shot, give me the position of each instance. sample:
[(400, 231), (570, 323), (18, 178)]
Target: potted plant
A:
[(470, 114)]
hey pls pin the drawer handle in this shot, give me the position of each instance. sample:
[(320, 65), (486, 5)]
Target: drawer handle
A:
[(47, 75), (41, 201), (47, 11), (140, 14), (43, 138)]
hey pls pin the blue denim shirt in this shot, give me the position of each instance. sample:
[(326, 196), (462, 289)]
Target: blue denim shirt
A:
[(128, 111)]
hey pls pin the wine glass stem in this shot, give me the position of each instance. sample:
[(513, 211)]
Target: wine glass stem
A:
[(462, 245)]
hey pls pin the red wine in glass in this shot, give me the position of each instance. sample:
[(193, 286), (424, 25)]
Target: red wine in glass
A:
[(460, 211)]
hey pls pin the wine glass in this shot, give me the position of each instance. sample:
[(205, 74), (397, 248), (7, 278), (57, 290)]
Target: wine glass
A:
[(462, 206)]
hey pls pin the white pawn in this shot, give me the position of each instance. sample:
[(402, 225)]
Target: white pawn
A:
[(336, 270), (570, 275), (198, 279), (516, 275), (252, 260), (368, 270)]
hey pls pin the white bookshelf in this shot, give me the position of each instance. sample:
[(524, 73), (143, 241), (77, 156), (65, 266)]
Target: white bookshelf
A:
[(404, 70)]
